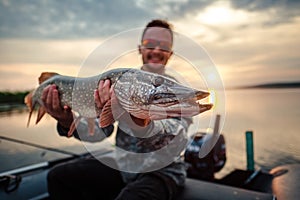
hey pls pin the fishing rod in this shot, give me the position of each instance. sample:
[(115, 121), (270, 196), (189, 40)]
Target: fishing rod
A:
[(39, 146)]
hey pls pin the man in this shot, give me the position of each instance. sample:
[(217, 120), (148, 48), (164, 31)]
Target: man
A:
[(89, 178)]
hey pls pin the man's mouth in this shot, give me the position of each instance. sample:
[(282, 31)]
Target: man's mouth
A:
[(155, 59)]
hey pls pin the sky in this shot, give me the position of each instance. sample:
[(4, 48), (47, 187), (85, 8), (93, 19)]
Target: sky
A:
[(249, 42)]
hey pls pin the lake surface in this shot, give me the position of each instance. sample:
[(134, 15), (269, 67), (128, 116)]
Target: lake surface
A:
[(272, 114)]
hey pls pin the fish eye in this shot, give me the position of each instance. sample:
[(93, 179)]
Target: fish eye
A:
[(158, 81)]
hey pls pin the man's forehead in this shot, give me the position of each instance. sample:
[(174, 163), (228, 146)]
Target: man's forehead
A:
[(158, 33)]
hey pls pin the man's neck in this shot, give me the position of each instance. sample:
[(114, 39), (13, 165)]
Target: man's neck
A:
[(156, 69)]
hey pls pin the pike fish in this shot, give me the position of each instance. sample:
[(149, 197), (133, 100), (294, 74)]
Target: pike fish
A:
[(142, 94)]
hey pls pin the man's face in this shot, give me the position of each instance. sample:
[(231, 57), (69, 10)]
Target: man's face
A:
[(156, 47)]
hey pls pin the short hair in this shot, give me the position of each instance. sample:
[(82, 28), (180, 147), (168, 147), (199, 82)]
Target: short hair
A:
[(159, 23)]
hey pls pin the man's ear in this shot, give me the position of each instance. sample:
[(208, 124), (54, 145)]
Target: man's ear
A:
[(171, 53), (140, 50)]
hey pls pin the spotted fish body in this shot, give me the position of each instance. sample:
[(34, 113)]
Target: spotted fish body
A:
[(77, 92), (142, 94)]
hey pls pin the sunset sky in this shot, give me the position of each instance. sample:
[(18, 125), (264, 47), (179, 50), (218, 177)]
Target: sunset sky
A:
[(250, 42)]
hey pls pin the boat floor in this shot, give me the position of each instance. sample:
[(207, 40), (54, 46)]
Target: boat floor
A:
[(283, 182), (34, 186)]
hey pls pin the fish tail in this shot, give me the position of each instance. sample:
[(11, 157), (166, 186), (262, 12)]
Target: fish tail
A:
[(45, 76), (41, 113), (28, 100), (29, 104)]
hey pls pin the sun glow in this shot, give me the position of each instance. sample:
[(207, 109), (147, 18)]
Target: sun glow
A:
[(212, 96), (219, 14)]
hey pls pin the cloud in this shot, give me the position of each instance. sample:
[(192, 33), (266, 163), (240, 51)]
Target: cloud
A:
[(280, 11), (246, 39), (45, 51), (257, 54), (68, 19), (91, 18)]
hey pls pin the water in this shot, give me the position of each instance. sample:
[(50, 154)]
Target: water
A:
[(272, 114), (274, 117), (14, 155)]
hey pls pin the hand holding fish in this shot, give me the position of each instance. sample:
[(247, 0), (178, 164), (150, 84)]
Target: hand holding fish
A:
[(103, 93), (52, 105)]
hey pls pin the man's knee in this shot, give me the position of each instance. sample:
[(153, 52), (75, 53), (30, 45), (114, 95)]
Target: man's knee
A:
[(54, 174), (147, 186)]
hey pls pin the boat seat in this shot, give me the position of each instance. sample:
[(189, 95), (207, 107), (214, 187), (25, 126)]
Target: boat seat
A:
[(195, 189)]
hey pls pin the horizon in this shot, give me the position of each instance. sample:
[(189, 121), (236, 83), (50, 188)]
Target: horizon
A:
[(249, 42), (267, 85)]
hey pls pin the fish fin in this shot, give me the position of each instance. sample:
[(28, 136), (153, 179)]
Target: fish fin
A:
[(46, 75), (73, 126), (28, 98), (106, 116), (41, 113), (30, 106), (91, 126), (204, 107), (71, 130), (28, 121), (111, 111)]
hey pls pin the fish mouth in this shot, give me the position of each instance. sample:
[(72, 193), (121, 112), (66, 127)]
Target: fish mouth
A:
[(178, 105), (169, 99)]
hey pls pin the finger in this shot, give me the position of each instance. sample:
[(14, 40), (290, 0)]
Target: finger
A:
[(97, 99), (101, 83), (55, 99), (99, 91), (106, 83), (103, 90), (49, 97), (105, 95), (45, 93), (67, 108)]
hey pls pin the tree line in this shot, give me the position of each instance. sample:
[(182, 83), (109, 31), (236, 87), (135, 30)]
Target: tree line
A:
[(12, 97)]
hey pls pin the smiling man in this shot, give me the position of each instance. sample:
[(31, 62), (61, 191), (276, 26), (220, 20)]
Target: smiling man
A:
[(138, 176)]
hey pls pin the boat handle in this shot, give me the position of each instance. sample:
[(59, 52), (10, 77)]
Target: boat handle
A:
[(10, 182)]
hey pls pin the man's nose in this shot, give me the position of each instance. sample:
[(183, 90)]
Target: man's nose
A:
[(157, 49)]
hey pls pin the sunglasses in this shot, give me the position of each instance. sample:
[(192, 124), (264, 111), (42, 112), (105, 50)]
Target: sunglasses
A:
[(152, 44)]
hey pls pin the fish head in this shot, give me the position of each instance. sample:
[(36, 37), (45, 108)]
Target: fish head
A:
[(148, 95)]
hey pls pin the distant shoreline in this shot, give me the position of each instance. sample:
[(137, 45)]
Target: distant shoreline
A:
[(12, 98), (271, 86)]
